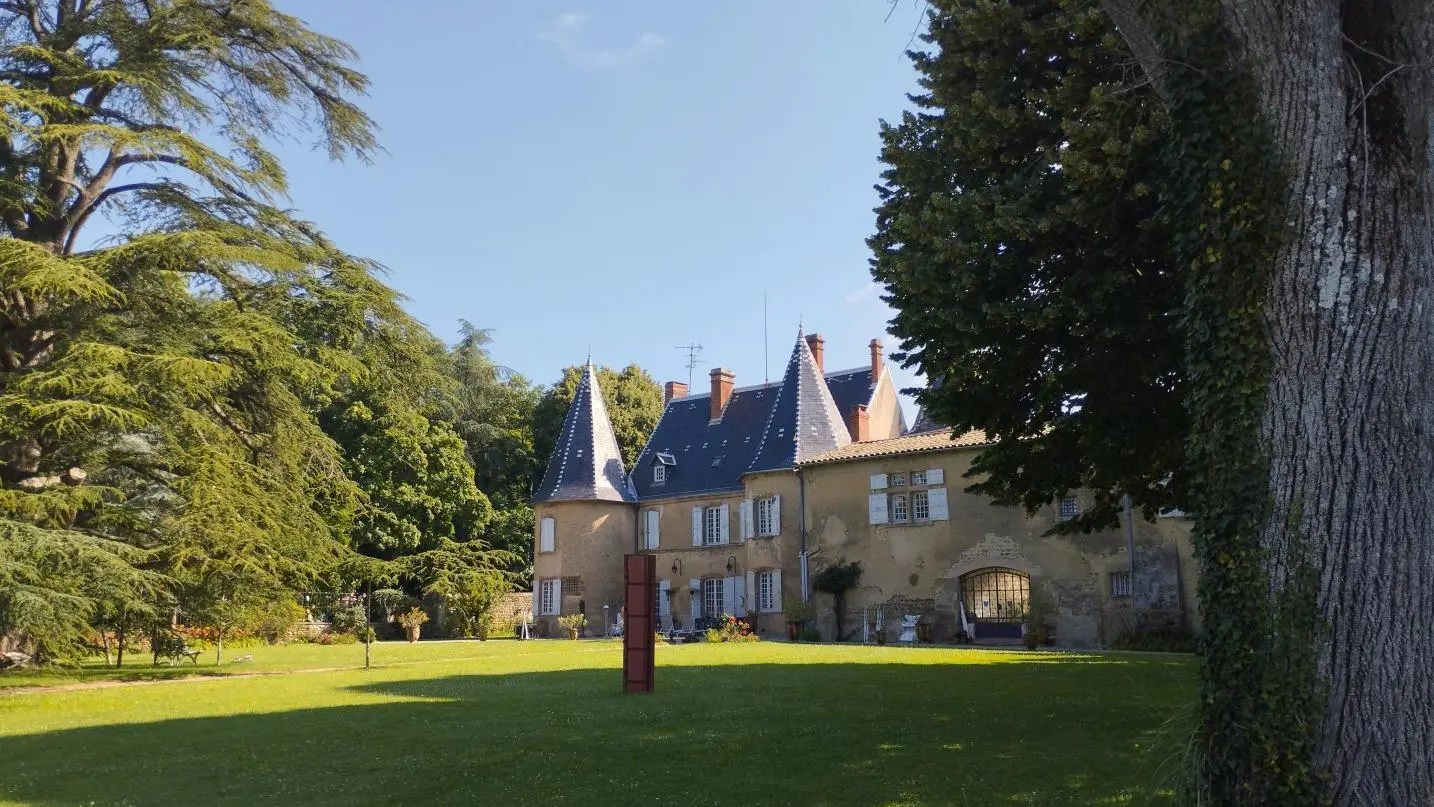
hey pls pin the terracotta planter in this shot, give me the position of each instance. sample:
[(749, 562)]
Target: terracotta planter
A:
[(794, 631), (573, 634), (413, 632)]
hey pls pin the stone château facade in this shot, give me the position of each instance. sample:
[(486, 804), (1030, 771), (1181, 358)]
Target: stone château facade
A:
[(743, 493)]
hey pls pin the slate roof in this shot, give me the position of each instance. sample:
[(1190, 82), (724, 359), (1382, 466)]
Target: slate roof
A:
[(938, 440), (804, 421), (924, 423), (586, 464), (687, 433)]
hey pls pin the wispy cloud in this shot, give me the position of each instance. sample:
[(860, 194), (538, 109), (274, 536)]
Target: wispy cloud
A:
[(569, 34), (866, 291)]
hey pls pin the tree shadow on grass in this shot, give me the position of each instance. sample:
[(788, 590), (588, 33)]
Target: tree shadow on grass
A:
[(768, 734)]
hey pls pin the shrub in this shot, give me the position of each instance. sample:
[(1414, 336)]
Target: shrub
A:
[(273, 623), (731, 629), (798, 610), (412, 618), (350, 619), (810, 634), (1158, 640), (572, 621)]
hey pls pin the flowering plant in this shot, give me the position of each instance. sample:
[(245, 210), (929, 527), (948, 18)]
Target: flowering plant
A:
[(731, 629)]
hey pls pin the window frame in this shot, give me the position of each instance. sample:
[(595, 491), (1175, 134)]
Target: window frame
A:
[(659, 474), (712, 525), (766, 517), (712, 586), (920, 500), (917, 478), (905, 509), (547, 605), (896, 480), (767, 594), (1115, 589), (1070, 502)]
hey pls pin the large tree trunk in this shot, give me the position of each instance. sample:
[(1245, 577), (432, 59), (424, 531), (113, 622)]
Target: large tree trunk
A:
[(1350, 422), (1347, 94)]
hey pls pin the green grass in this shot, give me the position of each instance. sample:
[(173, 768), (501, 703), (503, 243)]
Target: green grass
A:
[(543, 723)]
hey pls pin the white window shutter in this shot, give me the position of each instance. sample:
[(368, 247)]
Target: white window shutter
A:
[(741, 604), (876, 508), (697, 526), (746, 520), (557, 596), (777, 515), (729, 595), (776, 590), (696, 601), (723, 534), (878, 481), (664, 599), (654, 524), (935, 476), (537, 608), (936, 501), (545, 541), (753, 594)]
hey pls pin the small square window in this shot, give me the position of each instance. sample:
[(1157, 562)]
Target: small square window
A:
[(896, 481), (899, 513), (918, 477), (659, 474), (1070, 508), (1120, 584)]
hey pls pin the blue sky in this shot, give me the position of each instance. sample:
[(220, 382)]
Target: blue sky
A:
[(626, 176)]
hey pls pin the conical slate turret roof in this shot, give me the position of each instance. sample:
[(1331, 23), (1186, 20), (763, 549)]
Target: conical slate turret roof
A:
[(805, 420), (586, 464)]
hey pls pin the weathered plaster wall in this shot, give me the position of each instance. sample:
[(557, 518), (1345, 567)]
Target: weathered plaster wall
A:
[(926, 561), (590, 540)]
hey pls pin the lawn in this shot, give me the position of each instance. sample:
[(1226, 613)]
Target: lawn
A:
[(543, 723)]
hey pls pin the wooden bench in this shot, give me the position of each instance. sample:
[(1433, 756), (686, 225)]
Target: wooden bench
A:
[(176, 650)]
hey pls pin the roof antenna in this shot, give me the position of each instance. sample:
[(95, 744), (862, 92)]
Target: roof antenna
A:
[(692, 361), (766, 376)]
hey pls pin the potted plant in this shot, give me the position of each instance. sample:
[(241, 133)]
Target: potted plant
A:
[(411, 620), (573, 624), (836, 580), (923, 631), (798, 613)]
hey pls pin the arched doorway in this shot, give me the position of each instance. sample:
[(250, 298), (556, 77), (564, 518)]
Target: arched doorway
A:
[(995, 600)]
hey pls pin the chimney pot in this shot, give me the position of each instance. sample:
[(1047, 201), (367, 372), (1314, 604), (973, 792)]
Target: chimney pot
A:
[(876, 360), (673, 389), (856, 423), (722, 379), (817, 345)]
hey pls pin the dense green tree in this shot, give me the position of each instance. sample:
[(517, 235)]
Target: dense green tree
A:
[(634, 404), (158, 387), (1215, 207), (1018, 241)]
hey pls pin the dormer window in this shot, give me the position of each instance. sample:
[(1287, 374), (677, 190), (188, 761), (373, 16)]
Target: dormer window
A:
[(660, 465)]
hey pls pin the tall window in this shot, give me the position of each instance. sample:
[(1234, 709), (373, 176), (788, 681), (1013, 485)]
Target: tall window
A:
[(659, 474), (767, 593), (712, 597), (1120, 584), (1070, 508), (920, 506), (767, 516), (548, 597), (899, 513), (712, 525)]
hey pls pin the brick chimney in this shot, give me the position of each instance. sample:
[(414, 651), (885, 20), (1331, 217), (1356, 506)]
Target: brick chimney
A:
[(722, 379), (817, 344), (673, 389), (856, 424), (876, 361)]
